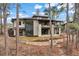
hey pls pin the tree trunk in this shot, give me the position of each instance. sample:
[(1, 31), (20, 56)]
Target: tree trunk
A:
[(1, 32), (1, 27), (50, 40), (67, 19), (17, 27), (5, 26), (76, 19), (76, 39), (76, 15)]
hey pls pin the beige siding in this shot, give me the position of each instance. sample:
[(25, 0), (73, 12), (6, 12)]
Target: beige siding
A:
[(22, 24), (39, 30), (35, 27)]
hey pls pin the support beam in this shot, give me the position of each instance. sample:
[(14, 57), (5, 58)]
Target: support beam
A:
[(39, 30)]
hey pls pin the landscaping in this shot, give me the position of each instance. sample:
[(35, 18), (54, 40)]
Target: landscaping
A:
[(38, 48)]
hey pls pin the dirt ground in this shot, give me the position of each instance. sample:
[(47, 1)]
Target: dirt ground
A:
[(28, 48)]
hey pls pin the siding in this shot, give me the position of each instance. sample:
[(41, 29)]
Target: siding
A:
[(35, 27), (20, 26)]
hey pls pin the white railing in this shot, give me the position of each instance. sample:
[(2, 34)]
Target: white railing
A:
[(21, 26)]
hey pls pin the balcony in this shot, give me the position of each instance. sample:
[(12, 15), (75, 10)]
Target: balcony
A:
[(46, 26), (21, 26)]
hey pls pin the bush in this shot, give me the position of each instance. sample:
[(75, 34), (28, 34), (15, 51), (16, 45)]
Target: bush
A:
[(73, 26)]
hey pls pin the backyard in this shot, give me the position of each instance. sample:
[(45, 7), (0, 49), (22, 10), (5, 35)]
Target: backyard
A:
[(38, 46), (39, 29)]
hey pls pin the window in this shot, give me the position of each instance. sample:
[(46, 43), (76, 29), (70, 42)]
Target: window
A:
[(19, 23)]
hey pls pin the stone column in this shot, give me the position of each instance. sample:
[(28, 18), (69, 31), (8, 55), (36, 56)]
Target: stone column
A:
[(39, 30)]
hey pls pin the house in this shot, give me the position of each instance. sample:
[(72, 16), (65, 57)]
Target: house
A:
[(36, 26)]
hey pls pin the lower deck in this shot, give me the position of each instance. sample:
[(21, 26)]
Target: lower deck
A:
[(43, 32)]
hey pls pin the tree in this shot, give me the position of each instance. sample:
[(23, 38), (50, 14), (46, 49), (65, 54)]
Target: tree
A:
[(1, 16), (1, 24), (17, 26), (55, 10), (50, 16), (67, 19), (5, 26), (4, 14), (76, 19)]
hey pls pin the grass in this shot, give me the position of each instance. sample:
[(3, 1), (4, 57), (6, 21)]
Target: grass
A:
[(39, 39), (27, 38), (25, 44), (57, 37)]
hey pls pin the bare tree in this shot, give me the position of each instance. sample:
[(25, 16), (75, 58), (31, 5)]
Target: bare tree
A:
[(1, 16), (1, 24), (17, 27), (50, 16), (76, 19), (5, 26), (67, 19)]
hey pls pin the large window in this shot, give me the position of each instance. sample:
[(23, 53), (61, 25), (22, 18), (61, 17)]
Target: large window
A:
[(19, 23), (56, 30), (29, 28), (45, 31)]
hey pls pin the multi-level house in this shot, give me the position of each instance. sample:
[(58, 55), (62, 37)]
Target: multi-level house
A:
[(36, 26)]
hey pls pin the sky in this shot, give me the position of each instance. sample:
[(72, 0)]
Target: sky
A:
[(29, 9), (26, 10)]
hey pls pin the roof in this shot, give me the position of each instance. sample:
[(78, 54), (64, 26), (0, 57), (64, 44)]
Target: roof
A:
[(42, 16), (35, 17)]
